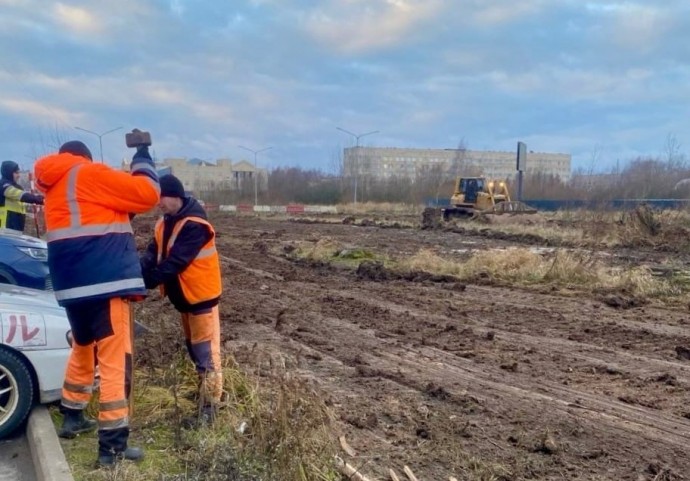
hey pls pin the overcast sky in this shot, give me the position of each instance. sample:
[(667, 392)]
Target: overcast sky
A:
[(604, 81)]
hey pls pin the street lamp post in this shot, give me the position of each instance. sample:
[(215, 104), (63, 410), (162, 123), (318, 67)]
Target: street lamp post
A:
[(100, 137), (356, 169), (256, 172)]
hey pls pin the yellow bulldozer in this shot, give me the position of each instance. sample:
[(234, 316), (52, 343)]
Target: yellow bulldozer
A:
[(474, 197)]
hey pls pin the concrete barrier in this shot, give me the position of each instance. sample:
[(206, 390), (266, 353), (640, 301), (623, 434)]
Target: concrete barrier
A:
[(321, 209), (295, 208), (49, 460), (290, 208), (245, 208)]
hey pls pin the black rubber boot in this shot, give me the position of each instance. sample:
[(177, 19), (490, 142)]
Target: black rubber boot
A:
[(74, 422), (208, 415), (129, 454), (112, 447), (204, 418)]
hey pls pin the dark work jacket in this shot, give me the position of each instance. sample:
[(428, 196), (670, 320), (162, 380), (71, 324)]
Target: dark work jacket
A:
[(190, 240)]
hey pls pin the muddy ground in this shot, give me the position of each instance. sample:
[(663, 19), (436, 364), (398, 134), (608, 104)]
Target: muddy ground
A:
[(471, 381)]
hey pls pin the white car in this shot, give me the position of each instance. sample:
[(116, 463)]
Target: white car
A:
[(34, 347)]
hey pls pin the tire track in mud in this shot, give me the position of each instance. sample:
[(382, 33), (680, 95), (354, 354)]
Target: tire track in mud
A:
[(631, 437), (597, 355), (645, 422), (416, 368)]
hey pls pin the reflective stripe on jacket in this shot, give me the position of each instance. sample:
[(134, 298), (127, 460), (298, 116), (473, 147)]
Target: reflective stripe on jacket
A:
[(200, 281), (91, 248)]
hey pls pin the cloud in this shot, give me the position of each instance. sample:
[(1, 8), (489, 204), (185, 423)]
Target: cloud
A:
[(492, 14), (635, 26), (207, 76), (364, 25), (36, 110), (76, 20)]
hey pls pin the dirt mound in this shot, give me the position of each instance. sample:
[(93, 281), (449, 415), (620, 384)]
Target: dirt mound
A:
[(516, 219), (376, 271), (373, 271), (431, 218), (621, 300), (526, 238)]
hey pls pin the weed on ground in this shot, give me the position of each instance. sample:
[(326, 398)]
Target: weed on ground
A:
[(276, 432)]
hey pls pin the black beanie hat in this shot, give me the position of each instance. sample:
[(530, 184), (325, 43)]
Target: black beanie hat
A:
[(8, 168), (76, 147), (171, 186)]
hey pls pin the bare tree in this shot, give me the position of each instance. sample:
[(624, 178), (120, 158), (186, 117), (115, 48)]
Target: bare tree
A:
[(672, 150), (48, 140)]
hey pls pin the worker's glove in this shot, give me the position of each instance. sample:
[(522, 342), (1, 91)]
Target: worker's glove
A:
[(151, 280), (141, 157), (30, 198), (143, 152)]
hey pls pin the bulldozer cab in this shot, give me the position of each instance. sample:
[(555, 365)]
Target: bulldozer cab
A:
[(479, 192), (470, 187)]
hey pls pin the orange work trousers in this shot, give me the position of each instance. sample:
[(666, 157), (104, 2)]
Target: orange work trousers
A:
[(202, 338), (100, 329)]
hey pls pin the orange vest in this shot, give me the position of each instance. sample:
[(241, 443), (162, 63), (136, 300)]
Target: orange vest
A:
[(200, 281)]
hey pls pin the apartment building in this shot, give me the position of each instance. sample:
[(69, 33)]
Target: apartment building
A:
[(385, 162), (199, 175)]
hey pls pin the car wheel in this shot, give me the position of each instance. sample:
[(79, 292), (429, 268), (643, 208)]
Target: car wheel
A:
[(16, 392)]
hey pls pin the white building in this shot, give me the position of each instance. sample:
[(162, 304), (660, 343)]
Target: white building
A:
[(199, 175), (385, 162)]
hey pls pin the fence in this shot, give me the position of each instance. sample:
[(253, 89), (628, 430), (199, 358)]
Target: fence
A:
[(615, 204)]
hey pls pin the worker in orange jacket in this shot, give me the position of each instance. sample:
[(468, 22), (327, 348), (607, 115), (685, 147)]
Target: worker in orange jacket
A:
[(96, 274), (183, 260)]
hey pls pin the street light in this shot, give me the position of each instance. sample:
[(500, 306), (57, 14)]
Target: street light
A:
[(256, 172), (100, 137), (356, 169)]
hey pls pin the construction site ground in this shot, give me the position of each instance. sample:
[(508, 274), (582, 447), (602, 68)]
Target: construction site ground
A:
[(458, 379)]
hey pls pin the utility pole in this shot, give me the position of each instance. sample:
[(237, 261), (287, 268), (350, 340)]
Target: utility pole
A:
[(357, 159), (100, 137), (256, 172)]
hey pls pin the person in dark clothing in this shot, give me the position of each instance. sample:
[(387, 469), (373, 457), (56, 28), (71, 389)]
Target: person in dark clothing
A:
[(13, 198), (182, 260)]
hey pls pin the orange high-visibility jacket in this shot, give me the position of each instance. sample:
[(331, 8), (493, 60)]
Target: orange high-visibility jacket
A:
[(200, 281), (91, 248)]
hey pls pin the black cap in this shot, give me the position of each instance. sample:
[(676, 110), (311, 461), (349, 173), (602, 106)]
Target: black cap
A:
[(76, 147), (171, 186)]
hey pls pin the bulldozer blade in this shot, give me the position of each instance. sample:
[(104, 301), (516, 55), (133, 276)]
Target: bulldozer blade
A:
[(510, 207)]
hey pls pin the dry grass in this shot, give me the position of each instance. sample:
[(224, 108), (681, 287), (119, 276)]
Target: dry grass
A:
[(522, 266), (278, 431), (388, 208), (323, 249), (609, 229), (330, 250), (519, 266)]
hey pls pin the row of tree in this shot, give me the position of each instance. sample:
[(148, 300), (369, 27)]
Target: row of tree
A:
[(650, 178)]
